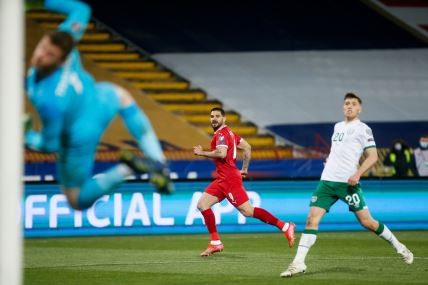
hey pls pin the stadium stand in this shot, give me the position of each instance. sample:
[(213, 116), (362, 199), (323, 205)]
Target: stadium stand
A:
[(110, 57), (94, 54), (197, 62), (292, 92)]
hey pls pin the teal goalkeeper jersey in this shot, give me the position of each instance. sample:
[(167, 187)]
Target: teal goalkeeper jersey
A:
[(64, 98)]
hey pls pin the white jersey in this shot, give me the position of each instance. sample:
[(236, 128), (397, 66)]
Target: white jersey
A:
[(348, 143), (421, 159)]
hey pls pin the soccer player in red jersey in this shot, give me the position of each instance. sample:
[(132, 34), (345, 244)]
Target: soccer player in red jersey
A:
[(228, 184)]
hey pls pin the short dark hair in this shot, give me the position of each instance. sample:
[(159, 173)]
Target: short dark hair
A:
[(353, 96), (63, 40), (219, 109)]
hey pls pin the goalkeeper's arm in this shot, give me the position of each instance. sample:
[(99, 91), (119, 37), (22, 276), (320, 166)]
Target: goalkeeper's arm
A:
[(78, 16)]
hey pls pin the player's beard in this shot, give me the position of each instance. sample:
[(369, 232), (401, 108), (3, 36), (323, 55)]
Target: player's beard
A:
[(44, 71), (215, 128)]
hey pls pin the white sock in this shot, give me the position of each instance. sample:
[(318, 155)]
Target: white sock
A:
[(390, 237), (215, 242), (125, 169), (285, 227), (305, 243)]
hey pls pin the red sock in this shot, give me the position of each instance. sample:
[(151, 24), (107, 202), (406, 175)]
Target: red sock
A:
[(268, 218), (210, 223)]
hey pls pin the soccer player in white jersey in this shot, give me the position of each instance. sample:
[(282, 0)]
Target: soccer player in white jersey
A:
[(340, 180)]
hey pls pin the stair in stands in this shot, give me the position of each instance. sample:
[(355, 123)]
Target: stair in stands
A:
[(242, 129), (203, 117), (114, 57), (178, 95)]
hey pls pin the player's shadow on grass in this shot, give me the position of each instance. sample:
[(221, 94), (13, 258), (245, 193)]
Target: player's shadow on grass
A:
[(342, 270), (226, 256)]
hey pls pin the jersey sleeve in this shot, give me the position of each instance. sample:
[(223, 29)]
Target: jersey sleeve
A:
[(334, 131), (221, 140), (335, 127), (237, 139), (367, 138), (78, 16)]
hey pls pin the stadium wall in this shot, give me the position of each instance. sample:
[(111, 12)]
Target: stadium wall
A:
[(136, 210), (312, 135), (197, 169)]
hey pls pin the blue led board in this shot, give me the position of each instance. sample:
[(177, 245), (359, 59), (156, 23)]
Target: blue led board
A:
[(135, 209)]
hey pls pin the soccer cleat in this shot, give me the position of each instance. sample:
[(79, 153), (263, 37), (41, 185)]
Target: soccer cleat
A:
[(294, 269), (289, 234), (211, 249), (162, 182), (159, 174), (406, 254), (137, 163)]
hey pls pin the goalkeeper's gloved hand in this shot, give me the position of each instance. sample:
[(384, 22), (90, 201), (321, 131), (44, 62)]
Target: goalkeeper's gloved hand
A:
[(28, 122)]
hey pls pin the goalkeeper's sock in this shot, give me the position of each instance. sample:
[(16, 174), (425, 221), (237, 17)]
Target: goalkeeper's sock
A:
[(134, 120), (307, 240), (384, 232), (209, 219), (140, 128), (101, 185)]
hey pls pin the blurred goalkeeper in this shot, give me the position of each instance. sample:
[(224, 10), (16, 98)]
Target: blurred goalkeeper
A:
[(75, 111)]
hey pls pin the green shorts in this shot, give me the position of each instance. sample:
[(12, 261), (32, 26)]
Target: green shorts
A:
[(327, 193)]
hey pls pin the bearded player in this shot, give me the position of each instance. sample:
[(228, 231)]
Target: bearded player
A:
[(228, 184)]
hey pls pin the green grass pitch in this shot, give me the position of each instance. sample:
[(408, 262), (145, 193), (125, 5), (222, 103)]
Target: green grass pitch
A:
[(336, 258)]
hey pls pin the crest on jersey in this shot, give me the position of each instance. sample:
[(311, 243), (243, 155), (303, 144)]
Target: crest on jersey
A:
[(220, 140), (314, 199)]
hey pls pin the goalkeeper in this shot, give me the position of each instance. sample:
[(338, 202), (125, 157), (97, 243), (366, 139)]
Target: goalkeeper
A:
[(75, 111)]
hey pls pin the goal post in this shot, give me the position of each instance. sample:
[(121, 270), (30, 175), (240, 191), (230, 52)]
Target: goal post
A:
[(11, 162)]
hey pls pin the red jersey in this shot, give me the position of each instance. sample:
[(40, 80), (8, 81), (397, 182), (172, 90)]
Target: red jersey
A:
[(226, 167)]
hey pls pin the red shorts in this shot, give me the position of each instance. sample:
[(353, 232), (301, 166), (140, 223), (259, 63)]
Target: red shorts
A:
[(232, 190)]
